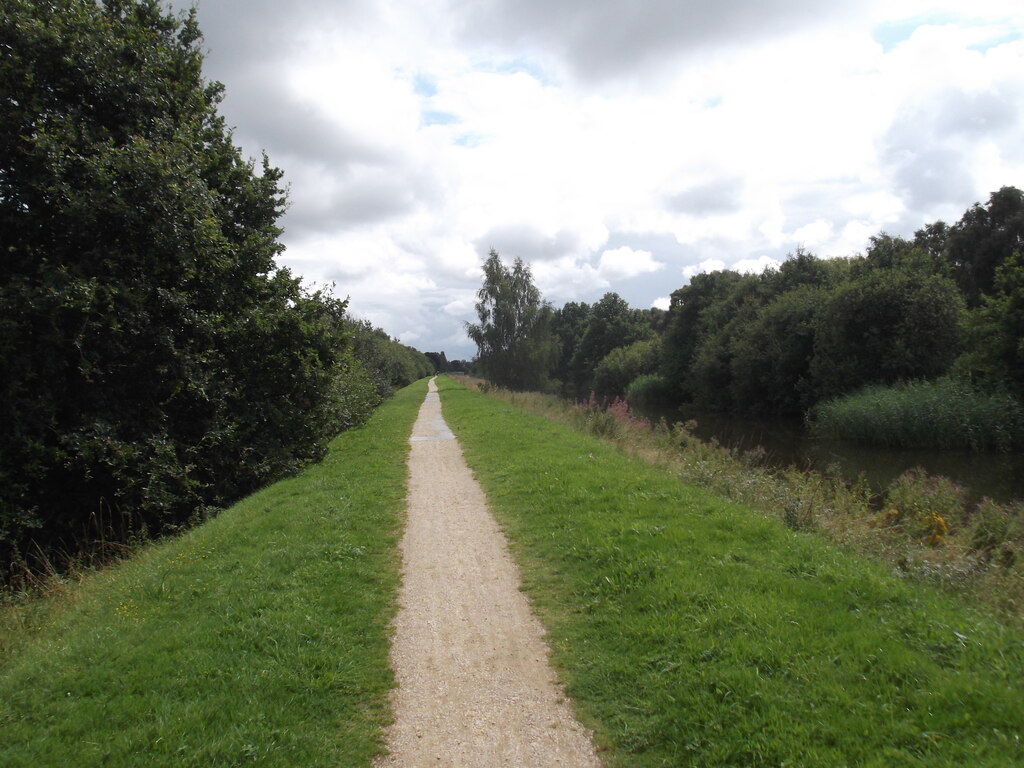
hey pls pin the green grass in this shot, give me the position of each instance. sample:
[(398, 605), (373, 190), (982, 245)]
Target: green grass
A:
[(694, 631), (259, 638), (943, 413)]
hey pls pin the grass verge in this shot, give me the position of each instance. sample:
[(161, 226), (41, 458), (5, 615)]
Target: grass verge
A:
[(695, 631), (260, 637), (922, 525)]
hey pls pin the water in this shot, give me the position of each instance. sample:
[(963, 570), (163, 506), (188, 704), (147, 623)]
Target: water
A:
[(998, 476)]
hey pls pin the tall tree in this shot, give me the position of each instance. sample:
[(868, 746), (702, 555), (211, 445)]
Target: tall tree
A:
[(885, 326), (515, 344), (994, 349), (983, 239), (155, 358), (612, 323)]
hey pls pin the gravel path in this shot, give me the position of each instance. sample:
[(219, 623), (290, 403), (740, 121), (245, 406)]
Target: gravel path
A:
[(474, 684)]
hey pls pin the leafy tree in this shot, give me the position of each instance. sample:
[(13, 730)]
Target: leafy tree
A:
[(569, 324), (439, 360), (800, 269), (886, 326), (612, 324), (983, 239), (771, 356), (709, 379), (933, 238), (623, 365), (515, 343), (156, 361), (686, 325), (995, 333)]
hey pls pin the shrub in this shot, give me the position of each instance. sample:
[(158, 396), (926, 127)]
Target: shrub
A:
[(648, 390), (623, 365), (923, 506)]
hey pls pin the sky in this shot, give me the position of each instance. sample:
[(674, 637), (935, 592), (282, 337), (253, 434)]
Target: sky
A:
[(613, 145)]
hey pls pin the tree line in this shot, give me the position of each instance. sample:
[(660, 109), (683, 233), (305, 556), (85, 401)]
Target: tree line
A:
[(157, 363), (947, 302)]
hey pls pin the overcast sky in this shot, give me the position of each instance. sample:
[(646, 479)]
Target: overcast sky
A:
[(612, 144)]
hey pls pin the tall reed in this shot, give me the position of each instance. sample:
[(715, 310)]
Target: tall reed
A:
[(943, 413)]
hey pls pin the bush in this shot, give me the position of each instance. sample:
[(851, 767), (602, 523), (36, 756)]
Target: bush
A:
[(883, 327), (623, 365), (649, 390)]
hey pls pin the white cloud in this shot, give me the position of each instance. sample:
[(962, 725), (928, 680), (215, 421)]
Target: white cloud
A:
[(662, 302), (815, 233), (415, 136), (708, 265), (756, 266), (624, 263)]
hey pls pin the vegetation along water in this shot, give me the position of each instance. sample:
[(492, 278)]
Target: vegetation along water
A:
[(787, 443)]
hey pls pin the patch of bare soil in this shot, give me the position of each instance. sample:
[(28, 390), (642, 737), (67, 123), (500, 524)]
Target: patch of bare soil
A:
[(474, 684)]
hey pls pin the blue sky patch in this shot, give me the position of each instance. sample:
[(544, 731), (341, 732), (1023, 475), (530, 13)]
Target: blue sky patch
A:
[(437, 117), (892, 33), (423, 85)]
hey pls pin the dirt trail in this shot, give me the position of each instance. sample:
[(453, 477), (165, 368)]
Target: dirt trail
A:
[(474, 684)]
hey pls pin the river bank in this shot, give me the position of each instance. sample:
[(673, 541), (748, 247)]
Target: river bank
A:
[(999, 476)]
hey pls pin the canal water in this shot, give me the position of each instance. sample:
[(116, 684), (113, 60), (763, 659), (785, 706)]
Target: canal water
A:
[(998, 476)]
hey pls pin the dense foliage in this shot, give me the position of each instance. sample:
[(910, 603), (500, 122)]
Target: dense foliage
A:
[(155, 360), (948, 302)]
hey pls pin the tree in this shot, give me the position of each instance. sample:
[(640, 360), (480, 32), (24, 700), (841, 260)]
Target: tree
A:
[(569, 324), (687, 325), (515, 344), (771, 356), (612, 323), (624, 365), (983, 239), (886, 326), (994, 347), (156, 361)]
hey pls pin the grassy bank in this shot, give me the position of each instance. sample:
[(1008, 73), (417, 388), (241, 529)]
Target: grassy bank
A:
[(943, 413), (695, 631), (921, 525), (260, 637)]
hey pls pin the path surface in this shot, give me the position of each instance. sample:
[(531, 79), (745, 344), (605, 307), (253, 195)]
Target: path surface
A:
[(474, 684)]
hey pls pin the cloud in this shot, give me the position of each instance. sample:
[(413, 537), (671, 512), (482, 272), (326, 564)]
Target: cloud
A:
[(606, 39), (528, 243), (708, 265), (612, 145), (712, 198), (810, 235), (756, 266), (623, 263)]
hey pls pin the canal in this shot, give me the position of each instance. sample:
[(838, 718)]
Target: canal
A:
[(998, 476)]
